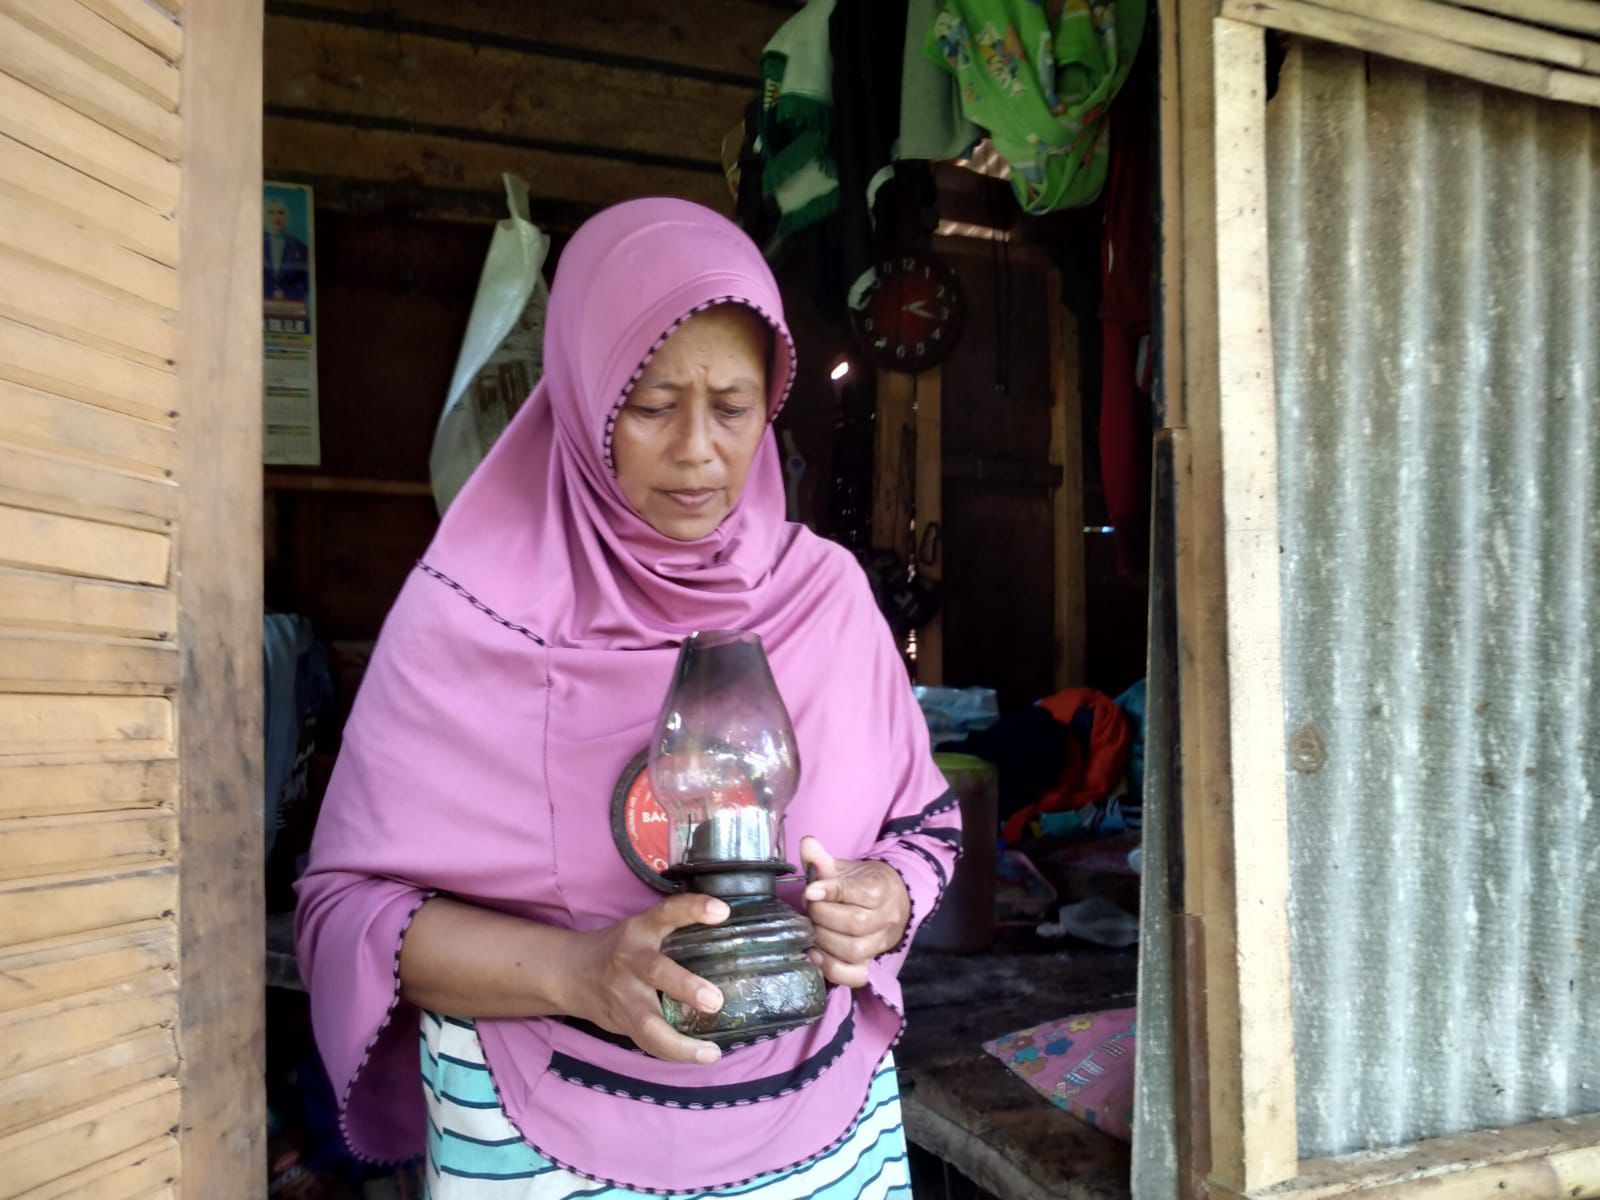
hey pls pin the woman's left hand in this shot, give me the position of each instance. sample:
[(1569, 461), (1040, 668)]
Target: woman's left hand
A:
[(859, 907)]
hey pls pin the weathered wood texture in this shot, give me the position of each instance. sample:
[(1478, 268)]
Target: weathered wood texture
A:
[(221, 1035), (399, 102), (964, 1106), (1490, 49), (90, 659), (1000, 484)]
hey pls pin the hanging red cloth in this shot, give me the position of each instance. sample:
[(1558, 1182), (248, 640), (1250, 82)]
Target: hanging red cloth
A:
[(1093, 768)]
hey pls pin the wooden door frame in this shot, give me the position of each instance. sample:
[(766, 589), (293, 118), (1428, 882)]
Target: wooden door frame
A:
[(1235, 1092), (221, 1030)]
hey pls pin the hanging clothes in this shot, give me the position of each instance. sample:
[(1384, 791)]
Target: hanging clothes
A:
[(796, 123), (1097, 751), (932, 123), (1041, 86)]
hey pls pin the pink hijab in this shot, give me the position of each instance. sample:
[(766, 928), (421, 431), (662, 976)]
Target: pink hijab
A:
[(521, 669)]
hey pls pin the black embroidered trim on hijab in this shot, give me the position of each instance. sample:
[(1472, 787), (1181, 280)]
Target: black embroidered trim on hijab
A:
[(573, 1070), (943, 803), (479, 604), (638, 371)]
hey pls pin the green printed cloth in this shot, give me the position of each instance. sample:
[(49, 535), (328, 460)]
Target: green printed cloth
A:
[(1041, 86)]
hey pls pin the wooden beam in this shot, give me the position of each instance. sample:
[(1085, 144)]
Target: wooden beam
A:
[(503, 92), (1066, 454), (1216, 125), (38, 600), (1433, 50), (711, 36), (447, 175), (929, 490), (221, 1026), (1467, 28), (1251, 1025), (894, 462), (1556, 1159), (1582, 16)]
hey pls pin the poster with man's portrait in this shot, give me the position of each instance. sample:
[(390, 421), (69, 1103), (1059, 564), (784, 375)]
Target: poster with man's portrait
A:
[(290, 432)]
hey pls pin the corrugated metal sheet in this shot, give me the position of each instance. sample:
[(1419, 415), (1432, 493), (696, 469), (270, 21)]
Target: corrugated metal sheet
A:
[(1436, 263)]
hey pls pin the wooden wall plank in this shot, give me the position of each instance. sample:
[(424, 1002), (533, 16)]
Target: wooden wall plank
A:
[(65, 662), (36, 1156), (41, 360), (60, 1087), (143, 23), (64, 1028), (32, 294), (1250, 1022), (221, 1031), (48, 845), (43, 182), (125, 1176), (35, 600), (74, 902), (83, 87), (36, 478), (313, 150), (894, 462), (88, 255), (1438, 53), (41, 724), (59, 131), (87, 35), (930, 516), (46, 972), (509, 93), (64, 426), (725, 36), (46, 541)]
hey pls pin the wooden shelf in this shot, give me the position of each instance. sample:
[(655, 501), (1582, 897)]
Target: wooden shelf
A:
[(297, 481)]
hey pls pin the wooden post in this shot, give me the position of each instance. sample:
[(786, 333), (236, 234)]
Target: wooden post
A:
[(221, 1036), (930, 517), (1066, 454), (894, 462)]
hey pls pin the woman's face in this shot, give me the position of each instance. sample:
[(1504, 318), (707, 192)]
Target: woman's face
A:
[(686, 436)]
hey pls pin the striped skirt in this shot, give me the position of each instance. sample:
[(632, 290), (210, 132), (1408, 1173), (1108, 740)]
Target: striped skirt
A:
[(474, 1152)]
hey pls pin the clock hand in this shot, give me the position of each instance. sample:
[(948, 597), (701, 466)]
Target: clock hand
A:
[(917, 308)]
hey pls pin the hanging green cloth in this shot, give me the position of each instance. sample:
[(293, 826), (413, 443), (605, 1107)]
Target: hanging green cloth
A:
[(796, 125), (1042, 87)]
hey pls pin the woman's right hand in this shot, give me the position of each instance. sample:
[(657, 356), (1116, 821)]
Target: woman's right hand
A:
[(622, 969)]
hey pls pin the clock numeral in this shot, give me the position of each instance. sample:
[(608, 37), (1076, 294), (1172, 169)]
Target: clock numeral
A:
[(922, 348), (940, 296), (937, 334), (899, 351), (907, 263), (869, 324)]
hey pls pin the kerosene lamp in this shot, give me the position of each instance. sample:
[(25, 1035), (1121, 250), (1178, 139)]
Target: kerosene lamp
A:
[(723, 766)]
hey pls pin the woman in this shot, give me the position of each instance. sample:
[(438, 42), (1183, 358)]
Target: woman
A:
[(464, 884)]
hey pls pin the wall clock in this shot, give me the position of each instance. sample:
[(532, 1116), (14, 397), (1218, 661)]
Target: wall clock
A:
[(907, 312)]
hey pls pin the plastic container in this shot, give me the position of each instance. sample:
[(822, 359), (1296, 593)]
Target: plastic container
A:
[(964, 923)]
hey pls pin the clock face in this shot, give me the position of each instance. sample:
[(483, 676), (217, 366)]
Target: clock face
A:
[(907, 312)]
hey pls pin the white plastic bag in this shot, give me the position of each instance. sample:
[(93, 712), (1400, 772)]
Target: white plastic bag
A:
[(502, 352)]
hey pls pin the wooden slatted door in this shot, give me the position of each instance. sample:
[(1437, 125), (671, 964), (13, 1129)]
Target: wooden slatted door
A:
[(130, 872)]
